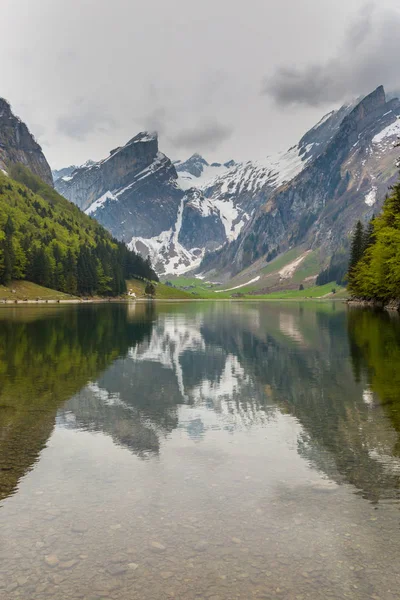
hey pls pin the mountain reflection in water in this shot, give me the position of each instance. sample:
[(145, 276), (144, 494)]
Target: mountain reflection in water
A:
[(138, 412)]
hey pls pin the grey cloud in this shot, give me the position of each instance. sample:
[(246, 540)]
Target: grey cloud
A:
[(190, 77), (156, 120), (207, 135), (83, 120), (367, 58)]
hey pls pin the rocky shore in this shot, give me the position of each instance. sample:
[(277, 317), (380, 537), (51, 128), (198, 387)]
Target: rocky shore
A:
[(392, 305)]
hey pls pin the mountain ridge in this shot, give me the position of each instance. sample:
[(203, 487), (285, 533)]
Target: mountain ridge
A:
[(250, 212), (319, 206), (17, 145)]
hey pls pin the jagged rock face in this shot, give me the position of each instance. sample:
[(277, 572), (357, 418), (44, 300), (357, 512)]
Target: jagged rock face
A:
[(135, 194), (124, 165), (245, 187), (344, 182), (309, 196), (17, 145), (66, 172), (197, 172), (194, 165), (202, 225)]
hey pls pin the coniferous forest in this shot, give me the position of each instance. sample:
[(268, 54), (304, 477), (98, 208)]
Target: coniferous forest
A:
[(374, 269), (46, 239)]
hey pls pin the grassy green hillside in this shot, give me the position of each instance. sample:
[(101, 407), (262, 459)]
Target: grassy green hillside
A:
[(26, 290), (163, 292), (46, 239), (196, 288)]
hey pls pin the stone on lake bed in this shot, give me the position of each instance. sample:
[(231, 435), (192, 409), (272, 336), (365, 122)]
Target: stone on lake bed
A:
[(200, 546), (79, 528), (51, 560), (118, 558), (166, 574), (68, 564), (114, 569), (236, 540), (133, 566), (157, 547)]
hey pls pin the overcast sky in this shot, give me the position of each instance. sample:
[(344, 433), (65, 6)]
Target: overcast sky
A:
[(229, 79)]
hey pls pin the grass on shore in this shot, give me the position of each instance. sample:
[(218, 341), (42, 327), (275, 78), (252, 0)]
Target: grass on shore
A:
[(26, 290), (163, 292), (321, 291), (201, 289)]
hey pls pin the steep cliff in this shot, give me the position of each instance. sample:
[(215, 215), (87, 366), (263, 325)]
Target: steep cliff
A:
[(17, 145), (346, 177), (135, 194)]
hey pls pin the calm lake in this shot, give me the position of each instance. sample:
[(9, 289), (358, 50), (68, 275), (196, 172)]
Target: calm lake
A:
[(199, 450)]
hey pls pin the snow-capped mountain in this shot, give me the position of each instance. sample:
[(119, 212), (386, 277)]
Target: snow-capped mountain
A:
[(66, 172), (180, 213), (176, 212), (339, 173), (197, 172), (134, 193)]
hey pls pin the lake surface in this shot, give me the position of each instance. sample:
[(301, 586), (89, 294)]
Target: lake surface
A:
[(199, 450)]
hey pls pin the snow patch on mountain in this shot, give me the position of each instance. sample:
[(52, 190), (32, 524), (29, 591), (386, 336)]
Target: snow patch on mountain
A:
[(232, 217), (99, 203), (237, 287), (370, 198), (205, 206), (166, 252), (390, 131), (289, 269), (187, 180)]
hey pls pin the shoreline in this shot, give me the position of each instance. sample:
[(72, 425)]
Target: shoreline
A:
[(76, 301), (391, 305)]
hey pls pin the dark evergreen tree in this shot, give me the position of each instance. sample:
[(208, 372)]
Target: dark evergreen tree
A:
[(70, 274), (8, 252), (357, 245), (150, 289), (369, 235), (357, 249)]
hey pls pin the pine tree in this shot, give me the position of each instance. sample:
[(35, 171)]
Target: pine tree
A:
[(8, 252), (357, 245), (150, 289), (8, 262), (357, 250), (70, 274), (369, 235)]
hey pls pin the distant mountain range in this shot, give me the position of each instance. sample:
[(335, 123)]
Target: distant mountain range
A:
[(135, 193), (348, 161), (231, 220), (280, 221)]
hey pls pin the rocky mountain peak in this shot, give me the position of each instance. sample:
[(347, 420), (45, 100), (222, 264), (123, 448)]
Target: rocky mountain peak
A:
[(365, 113), (5, 108), (229, 164), (17, 145), (370, 104), (138, 160), (193, 165)]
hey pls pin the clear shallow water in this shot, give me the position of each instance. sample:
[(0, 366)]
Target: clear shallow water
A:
[(227, 450)]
